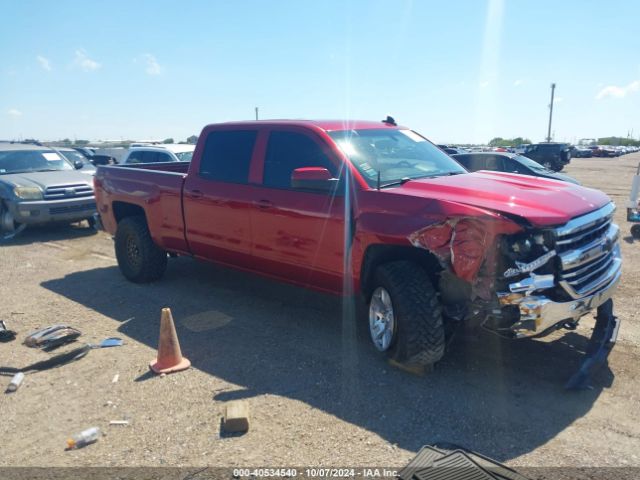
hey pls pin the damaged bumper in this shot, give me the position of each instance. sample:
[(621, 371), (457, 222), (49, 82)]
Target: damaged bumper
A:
[(539, 314)]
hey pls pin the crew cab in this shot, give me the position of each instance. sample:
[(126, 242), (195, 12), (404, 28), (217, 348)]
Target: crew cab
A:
[(373, 209)]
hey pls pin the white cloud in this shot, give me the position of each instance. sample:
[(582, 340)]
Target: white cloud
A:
[(558, 100), (518, 82), (484, 84), (14, 112), (152, 65), (44, 62), (84, 62), (615, 91)]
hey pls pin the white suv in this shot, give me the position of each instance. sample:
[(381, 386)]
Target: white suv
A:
[(159, 153)]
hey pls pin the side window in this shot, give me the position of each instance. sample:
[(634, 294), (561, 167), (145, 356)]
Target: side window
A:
[(494, 163), (287, 151), (227, 155), (476, 162), (135, 157), (149, 157), (512, 166), (164, 157), (464, 161)]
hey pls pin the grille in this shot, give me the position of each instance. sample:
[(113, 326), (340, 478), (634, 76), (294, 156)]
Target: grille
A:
[(72, 208), (73, 190), (589, 252)]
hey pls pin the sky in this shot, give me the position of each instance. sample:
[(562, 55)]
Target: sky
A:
[(456, 71)]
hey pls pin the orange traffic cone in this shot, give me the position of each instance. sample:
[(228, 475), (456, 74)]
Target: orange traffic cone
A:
[(170, 357)]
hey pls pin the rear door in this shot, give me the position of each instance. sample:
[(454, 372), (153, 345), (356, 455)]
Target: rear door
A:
[(218, 198), (298, 235)]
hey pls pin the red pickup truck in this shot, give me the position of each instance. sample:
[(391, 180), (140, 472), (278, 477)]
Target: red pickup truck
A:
[(372, 208)]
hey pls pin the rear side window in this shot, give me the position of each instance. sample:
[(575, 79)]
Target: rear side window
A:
[(473, 163), (135, 157), (227, 155), (163, 157), (287, 151)]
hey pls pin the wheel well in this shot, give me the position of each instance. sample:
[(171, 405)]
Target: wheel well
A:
[(377, 255), (122, 210)]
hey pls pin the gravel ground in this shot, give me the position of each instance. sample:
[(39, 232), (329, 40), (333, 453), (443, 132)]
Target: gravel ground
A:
[(318, 393)]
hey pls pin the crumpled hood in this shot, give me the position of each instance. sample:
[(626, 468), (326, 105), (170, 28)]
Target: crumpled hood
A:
[(543, 202), (46, 179)]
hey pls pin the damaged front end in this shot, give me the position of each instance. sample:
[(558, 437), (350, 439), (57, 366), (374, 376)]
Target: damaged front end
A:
[(524, 282)]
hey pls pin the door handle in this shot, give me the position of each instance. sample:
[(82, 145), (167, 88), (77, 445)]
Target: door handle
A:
[(196, 194), (264, 204)]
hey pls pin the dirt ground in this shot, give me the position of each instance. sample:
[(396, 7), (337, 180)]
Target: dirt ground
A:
[(318, 395)]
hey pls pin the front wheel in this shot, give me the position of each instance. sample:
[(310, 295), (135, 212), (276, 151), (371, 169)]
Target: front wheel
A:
[(140, 260), (405, 316), (635, 231)]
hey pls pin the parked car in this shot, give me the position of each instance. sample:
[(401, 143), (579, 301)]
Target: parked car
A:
[(159, 154), (553, 156), (605, 151), (509, 163), (88, 152), (38, 185), (426, 244), (451, 150), (580, 151), (79, 161)]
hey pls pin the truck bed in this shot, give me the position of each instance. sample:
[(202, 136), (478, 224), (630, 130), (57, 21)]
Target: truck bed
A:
[(155, 189)]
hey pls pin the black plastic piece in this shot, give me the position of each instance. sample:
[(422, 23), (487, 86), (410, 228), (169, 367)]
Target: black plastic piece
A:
[(600, 345), (446, 460)]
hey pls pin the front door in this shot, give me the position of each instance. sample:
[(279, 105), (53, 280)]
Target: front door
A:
[(298, 235)]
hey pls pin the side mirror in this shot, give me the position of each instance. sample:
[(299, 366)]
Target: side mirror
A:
[(78, 164), (313, 178)]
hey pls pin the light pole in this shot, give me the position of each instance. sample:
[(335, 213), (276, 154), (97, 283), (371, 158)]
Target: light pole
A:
[(553, 89), (256, 113)]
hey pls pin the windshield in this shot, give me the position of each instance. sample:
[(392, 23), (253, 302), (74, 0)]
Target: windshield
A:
[(184, 156), (21, 161), (396, 155)]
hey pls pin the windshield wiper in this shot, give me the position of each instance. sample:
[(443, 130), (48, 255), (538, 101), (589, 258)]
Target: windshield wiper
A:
[(404, 180)]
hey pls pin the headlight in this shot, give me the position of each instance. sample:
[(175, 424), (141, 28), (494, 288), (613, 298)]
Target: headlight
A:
[(28, 193)]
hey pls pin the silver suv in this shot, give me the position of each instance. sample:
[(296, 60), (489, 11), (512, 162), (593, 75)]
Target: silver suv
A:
[(38, 185)]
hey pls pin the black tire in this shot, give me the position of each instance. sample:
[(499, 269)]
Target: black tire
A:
[(419, 338), (140, 260), (635, 231), (92, 222)]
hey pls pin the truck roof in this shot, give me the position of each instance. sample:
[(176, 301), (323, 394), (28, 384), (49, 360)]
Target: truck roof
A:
[(327, 125)]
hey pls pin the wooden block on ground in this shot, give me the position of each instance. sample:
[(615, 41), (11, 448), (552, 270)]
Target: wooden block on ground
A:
[(419, 370), (236, 416)]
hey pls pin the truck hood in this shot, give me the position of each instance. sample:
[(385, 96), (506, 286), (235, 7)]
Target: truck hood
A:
[(542, 202), (46, 179)]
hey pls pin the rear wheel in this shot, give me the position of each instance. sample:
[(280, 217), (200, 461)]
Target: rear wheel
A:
[(140, 260), (405, 316), (635, 231)]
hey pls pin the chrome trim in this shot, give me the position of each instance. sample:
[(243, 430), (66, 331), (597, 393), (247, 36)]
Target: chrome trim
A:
[(601, 280), (529, 267), (591, 251), (533, 283), (585, 221)]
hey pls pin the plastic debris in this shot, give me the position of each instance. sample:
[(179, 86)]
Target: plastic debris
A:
[(15, 383), (84, 438)]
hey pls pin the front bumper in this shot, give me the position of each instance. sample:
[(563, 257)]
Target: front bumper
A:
[(539, 314), (45, 211)]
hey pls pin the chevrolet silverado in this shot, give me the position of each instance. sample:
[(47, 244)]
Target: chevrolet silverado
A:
[(370, 208)]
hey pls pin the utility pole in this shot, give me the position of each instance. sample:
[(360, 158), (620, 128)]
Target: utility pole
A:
[(553, 89), (256, 113)]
